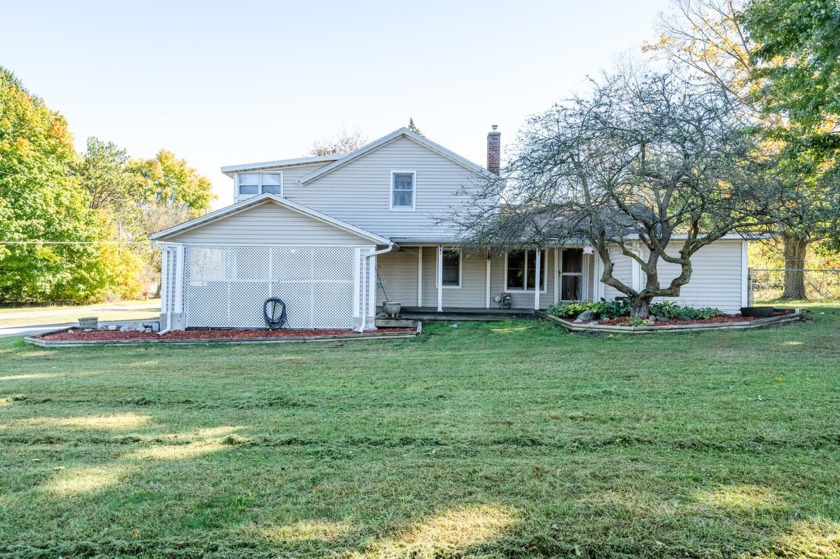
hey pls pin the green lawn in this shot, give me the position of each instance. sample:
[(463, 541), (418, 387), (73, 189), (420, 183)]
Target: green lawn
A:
[(501, 440)]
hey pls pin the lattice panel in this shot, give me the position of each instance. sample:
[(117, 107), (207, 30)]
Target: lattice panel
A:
[(226, 286)]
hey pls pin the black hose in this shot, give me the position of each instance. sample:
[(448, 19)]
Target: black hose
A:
[(272, 321)]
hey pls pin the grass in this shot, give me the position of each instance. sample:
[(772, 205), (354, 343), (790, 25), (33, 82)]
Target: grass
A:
[(52, 314), (488, 440)]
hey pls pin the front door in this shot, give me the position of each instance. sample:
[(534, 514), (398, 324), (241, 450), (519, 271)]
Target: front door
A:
[(571, 274)]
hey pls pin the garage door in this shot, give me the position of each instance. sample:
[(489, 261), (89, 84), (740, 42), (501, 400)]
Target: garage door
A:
[(226, 286)]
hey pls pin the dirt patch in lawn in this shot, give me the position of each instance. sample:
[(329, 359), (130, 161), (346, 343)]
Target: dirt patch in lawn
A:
[(76, 334)]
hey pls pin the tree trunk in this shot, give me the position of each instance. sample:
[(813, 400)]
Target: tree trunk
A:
[(794, 252), (639, 307)]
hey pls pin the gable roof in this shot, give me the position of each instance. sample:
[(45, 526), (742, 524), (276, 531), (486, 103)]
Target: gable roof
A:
[(396, 134), (271, 198), (230, 169)]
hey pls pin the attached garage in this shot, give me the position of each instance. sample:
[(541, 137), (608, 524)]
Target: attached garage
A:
[(219, 270)]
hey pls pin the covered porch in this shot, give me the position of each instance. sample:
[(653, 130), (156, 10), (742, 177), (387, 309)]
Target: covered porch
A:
[(440, 278)]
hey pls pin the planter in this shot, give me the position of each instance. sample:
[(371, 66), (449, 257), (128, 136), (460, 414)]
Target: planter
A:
[(391, 308), (762, 312), (89, 322)]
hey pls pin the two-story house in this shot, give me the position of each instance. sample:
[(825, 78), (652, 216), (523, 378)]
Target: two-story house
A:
[(334, 236)]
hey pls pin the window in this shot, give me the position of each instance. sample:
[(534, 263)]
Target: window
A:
[(571, 274), (522, 270), (402, 190), (260, 183), (451, 265)]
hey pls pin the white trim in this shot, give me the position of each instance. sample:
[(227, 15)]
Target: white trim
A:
[(237, 184), (460, 269), (544, 284), (635, 271), (557, 276), (487, 273), (537, 274), (357, 285), (300, 161), (745, 275), (394, 208), (440, 278), (419, 276), (372, 283), (586, 263), (598, 286), (260, 199), (164, 281), (178, 292), (396, 134)]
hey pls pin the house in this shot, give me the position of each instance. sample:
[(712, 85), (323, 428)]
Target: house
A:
[(334, 236)]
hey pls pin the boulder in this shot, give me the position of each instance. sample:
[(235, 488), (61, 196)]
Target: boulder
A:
[(112, 327), (585, 316)]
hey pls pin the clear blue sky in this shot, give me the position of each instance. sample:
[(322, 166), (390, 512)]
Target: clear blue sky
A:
[(221, 83)]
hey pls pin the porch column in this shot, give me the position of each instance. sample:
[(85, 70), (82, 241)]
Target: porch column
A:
[(164, 283), (538, 272), (487, 283), (178, 310), (440, 278), (420, 277), (373, 281), (357, 286)]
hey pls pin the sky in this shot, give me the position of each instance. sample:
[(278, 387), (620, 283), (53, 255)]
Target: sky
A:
[(224, 83)]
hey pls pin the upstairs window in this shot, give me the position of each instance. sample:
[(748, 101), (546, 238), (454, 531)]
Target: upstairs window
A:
[(522, 270), (402, 190), (260, 183)]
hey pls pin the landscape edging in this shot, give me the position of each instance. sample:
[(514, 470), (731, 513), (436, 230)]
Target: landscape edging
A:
[(746, 325)]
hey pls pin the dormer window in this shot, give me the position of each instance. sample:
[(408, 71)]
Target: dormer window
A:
[(402, 190), (251, 184)]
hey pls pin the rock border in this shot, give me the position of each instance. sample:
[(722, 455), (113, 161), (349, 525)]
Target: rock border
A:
[(38, 341), (745, 325)]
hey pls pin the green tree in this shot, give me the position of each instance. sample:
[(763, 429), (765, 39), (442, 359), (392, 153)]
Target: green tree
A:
[(413, 127), (711, 39), (52, 248), (797, 58), (169, 181)]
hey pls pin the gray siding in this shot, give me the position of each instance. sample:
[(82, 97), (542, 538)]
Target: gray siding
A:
[(716, 279), (398, 277), (622, 271), (269, 223), (360, 192)]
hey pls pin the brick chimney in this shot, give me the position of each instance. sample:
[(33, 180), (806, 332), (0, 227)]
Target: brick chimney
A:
[(494, 150)]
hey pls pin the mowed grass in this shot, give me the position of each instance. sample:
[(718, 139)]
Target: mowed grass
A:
[(495, 440)]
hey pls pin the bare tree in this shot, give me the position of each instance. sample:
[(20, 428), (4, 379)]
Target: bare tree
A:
[(650, 166), (346, 142)]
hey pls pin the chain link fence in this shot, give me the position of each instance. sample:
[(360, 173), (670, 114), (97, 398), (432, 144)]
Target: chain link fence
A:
[(767, 284)]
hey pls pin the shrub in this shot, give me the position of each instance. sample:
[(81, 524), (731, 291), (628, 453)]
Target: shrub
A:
[(616, 309)]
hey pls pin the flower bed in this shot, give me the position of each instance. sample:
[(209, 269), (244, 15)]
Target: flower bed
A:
[(723, 319), (77, 336)]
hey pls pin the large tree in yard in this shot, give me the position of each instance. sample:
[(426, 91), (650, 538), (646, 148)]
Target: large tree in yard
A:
[(650, 166), (777, 59)]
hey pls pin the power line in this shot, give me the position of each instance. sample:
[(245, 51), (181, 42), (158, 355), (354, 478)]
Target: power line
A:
[(75, 242)]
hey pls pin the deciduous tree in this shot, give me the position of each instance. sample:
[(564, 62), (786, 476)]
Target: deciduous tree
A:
[(641, 164)]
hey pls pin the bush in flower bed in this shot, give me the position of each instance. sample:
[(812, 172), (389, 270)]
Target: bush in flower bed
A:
[(616, 309)]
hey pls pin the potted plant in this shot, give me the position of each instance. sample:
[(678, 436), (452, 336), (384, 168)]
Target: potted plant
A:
[(89, 322), (391, 308)]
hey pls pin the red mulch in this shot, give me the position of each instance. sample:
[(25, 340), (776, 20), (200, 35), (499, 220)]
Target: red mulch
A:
[(75, 334), (674, 322)]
